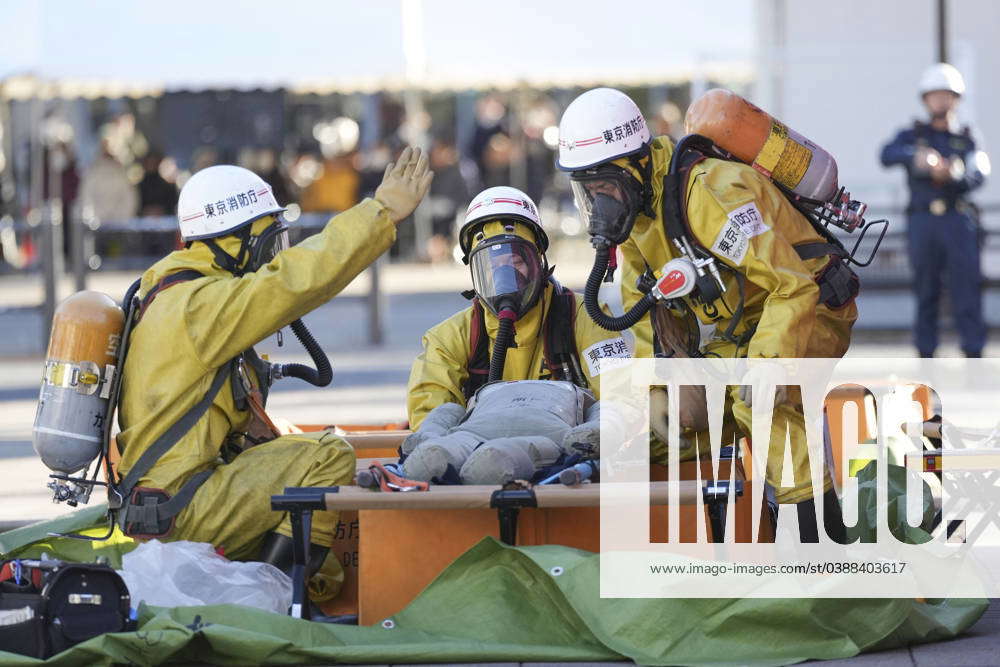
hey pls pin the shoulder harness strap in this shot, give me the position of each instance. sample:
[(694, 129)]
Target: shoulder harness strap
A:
[(688, 152), (559, 337), (814, 249), (169, 281), (149, 517), (479, 353)]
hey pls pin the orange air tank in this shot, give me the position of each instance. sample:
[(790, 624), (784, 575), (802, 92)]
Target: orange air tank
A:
[(755, 137), (76, 382)]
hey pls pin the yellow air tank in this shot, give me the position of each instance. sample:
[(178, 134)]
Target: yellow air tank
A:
[(755, 137), (76, 381)]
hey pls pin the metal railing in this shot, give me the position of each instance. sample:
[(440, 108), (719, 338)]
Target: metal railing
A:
[(135, 244)]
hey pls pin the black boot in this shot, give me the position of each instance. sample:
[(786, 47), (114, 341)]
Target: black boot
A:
[(833, 519), (277, 550)]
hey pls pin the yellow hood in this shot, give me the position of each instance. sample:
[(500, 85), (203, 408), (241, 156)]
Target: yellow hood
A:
[(197, 258)]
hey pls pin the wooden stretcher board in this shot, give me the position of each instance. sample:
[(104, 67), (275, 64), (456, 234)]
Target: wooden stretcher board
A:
[(401, 551), (451, 532)]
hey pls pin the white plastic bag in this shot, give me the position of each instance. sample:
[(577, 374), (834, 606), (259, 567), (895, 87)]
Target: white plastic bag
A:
[(183, 574)]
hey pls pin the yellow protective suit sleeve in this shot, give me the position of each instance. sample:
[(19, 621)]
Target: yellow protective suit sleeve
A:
[(438, 373), (770, 262), (223, 317)]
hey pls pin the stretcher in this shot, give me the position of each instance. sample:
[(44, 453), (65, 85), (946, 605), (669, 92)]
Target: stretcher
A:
[(393, 544), (954, 460), (406, 541)]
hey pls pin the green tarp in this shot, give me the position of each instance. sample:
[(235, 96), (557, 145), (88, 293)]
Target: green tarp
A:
[(499, 603)]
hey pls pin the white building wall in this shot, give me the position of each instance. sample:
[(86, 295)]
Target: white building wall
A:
[(845, 73)]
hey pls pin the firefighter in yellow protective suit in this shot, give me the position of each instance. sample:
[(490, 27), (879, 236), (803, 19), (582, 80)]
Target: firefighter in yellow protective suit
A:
[(784, 292), (504, 244), (193, 390)]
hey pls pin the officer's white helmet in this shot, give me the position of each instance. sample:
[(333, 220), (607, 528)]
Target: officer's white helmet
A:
[(600, 125), (216, 201), (942, 76)]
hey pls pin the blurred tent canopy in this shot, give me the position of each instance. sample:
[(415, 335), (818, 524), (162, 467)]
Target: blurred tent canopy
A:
[(109, 49)]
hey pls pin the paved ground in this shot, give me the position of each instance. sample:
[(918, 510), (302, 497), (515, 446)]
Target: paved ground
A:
[(980, 646), (369, 387)]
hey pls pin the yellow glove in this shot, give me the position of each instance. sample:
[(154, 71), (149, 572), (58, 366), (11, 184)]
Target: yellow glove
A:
[(769, 378), (692, 412), (404, 184)]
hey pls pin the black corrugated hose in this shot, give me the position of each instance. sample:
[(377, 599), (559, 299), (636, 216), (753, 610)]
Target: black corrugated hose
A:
[(600, 318), (505, 336), (319, 376)]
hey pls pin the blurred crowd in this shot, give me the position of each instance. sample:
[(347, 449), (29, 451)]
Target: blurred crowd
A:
[(326, 163)]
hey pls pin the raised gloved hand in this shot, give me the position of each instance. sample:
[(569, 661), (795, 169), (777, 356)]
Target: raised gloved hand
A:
[(404, 184)]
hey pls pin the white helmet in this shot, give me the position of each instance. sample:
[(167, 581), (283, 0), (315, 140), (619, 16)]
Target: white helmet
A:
[(600, 125), (219, 200), (504, 245), (942, 76), (502, 202)]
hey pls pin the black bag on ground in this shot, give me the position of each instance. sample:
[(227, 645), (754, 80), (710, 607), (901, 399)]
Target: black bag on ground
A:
[(22, 623), (47, 606)]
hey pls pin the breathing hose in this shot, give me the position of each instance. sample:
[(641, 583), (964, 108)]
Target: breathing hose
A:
[(600, 318), (505, 336), (129, 294), (319, 376)]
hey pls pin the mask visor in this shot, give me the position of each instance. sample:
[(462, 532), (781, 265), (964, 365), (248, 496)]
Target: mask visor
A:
[(266, 247), (507, 272), (606, 204)]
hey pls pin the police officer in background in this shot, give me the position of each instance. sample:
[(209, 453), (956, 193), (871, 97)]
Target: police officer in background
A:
[(943, 165)]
